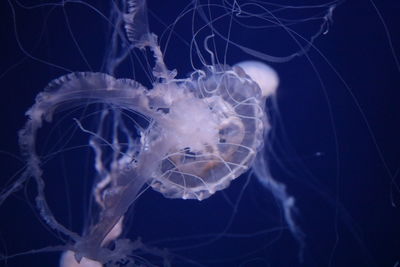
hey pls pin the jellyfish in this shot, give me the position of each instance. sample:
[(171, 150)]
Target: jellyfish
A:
[(186, 137), (146, 125), (203, 132)]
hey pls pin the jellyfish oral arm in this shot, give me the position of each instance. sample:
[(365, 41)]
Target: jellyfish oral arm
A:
[(117, 203)]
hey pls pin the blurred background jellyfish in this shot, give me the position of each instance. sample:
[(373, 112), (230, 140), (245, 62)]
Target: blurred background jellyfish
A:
[(181, 98)]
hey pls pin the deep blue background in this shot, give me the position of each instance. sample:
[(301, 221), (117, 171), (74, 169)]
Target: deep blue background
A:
[(334, 144)]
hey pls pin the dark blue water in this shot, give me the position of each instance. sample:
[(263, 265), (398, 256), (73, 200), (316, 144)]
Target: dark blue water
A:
[(334, 142)]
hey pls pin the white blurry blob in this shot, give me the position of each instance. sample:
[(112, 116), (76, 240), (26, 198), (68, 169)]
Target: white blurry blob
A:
[(265, 76), (68, 260)]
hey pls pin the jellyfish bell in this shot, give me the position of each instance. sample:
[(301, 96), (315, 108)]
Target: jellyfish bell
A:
[(216, 131)]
